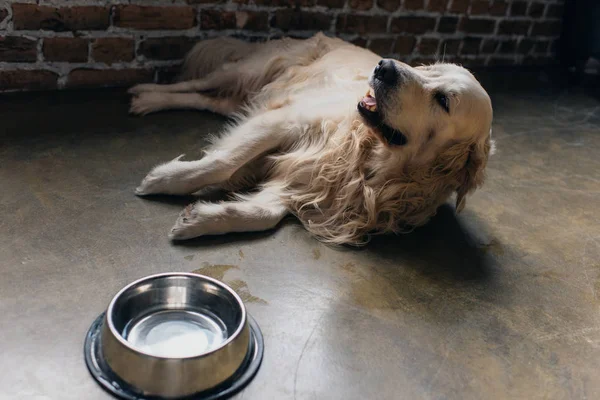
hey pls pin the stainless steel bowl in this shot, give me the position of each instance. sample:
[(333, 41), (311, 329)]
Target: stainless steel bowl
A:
[(175, 334)]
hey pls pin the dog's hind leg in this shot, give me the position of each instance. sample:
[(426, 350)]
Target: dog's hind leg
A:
[(215, 81), (206, 57), (149, 102), (250, 213), (238, 147), (210, 55)]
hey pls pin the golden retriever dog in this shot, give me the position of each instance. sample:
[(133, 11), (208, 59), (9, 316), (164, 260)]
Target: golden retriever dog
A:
[(349, 143)]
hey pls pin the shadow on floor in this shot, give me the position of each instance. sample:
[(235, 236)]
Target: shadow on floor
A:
[(444, 249)]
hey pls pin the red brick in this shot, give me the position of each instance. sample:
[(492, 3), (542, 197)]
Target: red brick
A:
[(539, 60), (360, 42), (110, 50), (413, 24), (481, 7), (361, 24), (142, 17), (525, 46), (489, 46), (3, 14), (450, 47), (501, 62), (518, 8), (498, 8), (542, 46), (217, 19), (459, 6), (34, 17), (65, 49), (290, 19), (509, 46), (428, 46), (514, 27), (361, 5), (447, 24), (470, 46), (536, 10), (404, 45), (252, 20), (83, 77), (473, 62), (555, 11), (27, 79), (17, 49), (381, 47), (388, 5), (288, 3), (332, 3), (437, 5), (477, 25), (546, 28), (166, 48), (414, 4)]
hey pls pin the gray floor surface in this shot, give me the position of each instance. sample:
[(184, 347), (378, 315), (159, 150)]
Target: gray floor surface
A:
[(500, 302)]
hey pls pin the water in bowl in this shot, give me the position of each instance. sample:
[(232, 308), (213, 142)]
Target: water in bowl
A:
[(177, 333)]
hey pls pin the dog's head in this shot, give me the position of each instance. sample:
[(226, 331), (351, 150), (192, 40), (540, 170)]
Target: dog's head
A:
[(436, 117)]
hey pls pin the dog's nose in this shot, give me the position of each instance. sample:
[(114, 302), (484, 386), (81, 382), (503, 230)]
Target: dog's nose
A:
[(386, 72)]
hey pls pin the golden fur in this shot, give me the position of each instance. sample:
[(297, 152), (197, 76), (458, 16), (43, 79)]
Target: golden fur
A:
[(298, 139)]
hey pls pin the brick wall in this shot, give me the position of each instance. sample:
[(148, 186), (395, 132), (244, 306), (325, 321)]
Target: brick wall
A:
[(47, 44)]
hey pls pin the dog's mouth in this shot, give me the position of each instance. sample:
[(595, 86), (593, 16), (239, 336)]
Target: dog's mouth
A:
[(367, 108)]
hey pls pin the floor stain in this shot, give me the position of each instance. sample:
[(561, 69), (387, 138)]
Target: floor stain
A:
[(349, 267), (216, 271), (189, 258), (241, 254), (241, 288), (316, 254), (596, 283), (369, 290), (549, 274)]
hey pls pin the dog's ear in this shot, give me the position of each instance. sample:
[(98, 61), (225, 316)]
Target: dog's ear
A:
[(472, 175)]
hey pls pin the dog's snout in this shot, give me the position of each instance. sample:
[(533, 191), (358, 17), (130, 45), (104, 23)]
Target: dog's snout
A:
[(386, 72)]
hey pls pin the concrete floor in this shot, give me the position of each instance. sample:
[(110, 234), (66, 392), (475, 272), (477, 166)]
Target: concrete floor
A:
[(501, 302)]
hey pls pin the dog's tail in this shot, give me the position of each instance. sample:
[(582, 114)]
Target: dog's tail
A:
[(209, 55)]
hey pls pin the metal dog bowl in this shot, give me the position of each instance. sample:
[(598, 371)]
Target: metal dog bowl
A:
[(174, 335)]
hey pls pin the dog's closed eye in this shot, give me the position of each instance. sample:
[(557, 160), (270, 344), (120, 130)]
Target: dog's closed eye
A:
[(442, 100)]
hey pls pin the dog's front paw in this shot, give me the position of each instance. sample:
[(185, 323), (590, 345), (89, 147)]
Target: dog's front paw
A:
[(151, 184), (146, 103), (160, 180), (189, 224)]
